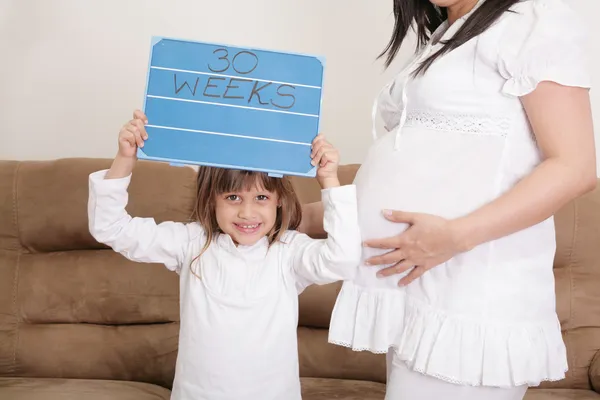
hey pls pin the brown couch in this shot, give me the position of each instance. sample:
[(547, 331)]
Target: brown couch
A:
[(79, 322)]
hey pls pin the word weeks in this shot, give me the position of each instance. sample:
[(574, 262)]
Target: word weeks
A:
[(222, 86)]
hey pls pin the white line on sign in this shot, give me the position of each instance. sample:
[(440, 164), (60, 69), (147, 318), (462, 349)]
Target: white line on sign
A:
[(231, 105), (233, 76), (227, 134), (179, 161)]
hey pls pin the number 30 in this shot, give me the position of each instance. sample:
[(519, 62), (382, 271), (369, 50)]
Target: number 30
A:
[(232, 63)]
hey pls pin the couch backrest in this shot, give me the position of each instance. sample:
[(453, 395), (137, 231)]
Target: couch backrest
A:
[(577, 275), (69, 307)]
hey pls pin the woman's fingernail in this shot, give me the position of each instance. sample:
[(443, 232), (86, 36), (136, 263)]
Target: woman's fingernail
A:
[(387, 212), (380, 275), (367, 263)]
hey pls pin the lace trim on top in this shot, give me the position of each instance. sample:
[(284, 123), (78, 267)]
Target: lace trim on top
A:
[(461, 123)]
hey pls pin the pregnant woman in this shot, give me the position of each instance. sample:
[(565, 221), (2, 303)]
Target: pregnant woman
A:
[(489, 133)]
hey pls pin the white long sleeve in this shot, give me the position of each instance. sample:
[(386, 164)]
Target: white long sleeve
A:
[(322, 261), (138, 239)]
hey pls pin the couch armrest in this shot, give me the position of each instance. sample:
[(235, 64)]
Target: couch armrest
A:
[(595, 372)]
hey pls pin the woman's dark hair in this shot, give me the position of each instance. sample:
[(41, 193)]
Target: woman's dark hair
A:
[(428, 17)]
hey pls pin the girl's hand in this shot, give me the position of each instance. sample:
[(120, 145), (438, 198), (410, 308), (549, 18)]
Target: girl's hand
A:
[(428, 242), (132, 135), (327, 158)]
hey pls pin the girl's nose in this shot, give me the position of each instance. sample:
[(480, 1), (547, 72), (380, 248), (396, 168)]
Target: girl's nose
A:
[(246, 211)]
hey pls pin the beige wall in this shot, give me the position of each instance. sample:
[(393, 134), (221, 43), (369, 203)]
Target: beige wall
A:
[(72, 70)]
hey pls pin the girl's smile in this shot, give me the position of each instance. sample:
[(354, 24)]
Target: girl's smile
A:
[(248, 215)]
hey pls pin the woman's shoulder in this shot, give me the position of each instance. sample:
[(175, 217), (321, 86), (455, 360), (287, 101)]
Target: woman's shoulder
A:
[(537, 40), (549, 17)]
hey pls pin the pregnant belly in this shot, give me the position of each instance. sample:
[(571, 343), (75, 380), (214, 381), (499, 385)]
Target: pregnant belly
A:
[(419, 178), (373, 197)]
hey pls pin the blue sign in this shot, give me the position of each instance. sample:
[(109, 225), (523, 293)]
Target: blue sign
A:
[(231, 107)]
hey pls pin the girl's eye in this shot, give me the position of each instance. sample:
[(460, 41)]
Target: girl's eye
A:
[(262, 197), (233, 197)]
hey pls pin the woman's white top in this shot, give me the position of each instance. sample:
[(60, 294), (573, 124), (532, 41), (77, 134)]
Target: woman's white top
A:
[(459, 138), (237, 337)]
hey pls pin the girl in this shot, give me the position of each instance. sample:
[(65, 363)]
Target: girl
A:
[(489, 134), (241, 267)]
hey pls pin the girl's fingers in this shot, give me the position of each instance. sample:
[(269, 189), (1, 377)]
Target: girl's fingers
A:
[(137, 114), (323, 152), (140, 125), (136, 134), (140, 130), (320, 136), (326, 158), (316, 158), (332, 155), (317, 143), (128, 137), (320, 150)]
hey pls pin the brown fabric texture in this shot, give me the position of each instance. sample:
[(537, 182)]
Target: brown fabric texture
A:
[(10, 253), (595, 372), (316, 303), (9, 235), (319, 359), (77, 320), (561, 394), (327, 389), (142, 353), (8, 319), (577, 274), (51, 200), (95, 287), (72, 389)]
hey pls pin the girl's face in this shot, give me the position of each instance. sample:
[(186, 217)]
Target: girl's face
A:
[(247, 216)]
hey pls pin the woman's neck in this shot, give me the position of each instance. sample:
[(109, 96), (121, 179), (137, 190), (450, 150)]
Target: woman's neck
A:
[(460, 9)]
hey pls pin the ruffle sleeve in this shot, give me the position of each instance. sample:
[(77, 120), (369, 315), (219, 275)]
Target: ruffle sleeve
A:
[(543, 40)]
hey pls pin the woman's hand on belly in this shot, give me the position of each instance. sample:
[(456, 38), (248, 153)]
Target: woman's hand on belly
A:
[(428, 242)]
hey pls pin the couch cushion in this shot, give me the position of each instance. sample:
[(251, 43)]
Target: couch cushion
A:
[(94, 287), (319, 359), (561, 394), (327, 389), (9, 235), (316, 303), (137, 352), (50, 200), (595, 372), (74, 389), (577, 273)]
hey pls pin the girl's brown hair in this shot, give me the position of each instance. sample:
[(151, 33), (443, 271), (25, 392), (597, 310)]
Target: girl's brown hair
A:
[(213, 182)]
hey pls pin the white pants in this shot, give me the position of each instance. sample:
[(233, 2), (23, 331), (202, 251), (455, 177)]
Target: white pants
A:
[(405, 384)]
